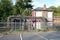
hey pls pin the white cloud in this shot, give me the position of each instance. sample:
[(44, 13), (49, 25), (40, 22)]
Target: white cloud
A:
[(57, 3), (37, 4)]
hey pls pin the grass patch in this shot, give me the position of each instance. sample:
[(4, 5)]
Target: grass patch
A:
[(38, 30), (57, 29)]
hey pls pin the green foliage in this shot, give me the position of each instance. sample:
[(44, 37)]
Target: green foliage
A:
[(53, 7), (21, 7), (38, 30), (56, 9), (5, 9), (27, 12)]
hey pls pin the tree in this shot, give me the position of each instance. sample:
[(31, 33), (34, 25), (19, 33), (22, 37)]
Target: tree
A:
[(22, 5), (27, 12), (58, 11), (54, 8), (5, 9)]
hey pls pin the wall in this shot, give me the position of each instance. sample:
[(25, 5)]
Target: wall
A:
[(57, 20), (33, 13), (44, 13)]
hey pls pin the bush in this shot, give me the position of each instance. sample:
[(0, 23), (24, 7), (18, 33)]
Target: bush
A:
[(38, 30)]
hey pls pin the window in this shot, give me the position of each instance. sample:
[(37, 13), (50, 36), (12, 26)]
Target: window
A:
[(38, 14), (50, 15)]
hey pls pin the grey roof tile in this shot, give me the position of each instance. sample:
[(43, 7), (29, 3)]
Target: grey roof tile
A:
[(40, 8)]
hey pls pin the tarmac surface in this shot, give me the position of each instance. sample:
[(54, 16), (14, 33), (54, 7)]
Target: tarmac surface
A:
[(32, 36)]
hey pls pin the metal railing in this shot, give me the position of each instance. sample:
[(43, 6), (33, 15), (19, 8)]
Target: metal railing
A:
[(29, 26)]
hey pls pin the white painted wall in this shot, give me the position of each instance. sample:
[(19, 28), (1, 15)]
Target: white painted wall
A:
[(38, 14), (38, 25), (50, 15)]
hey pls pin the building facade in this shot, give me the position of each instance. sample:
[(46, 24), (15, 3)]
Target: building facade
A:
[(45, 13)]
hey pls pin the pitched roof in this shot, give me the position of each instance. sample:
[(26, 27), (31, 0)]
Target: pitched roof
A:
[(40, 9)]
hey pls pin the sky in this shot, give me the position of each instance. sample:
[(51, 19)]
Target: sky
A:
[(14, 1), (40, 3)]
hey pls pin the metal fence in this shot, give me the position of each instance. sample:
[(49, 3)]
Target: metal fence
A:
[(29, 26)]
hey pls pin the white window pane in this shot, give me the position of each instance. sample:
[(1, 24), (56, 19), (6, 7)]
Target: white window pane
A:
[(39, 14), (50, 15)]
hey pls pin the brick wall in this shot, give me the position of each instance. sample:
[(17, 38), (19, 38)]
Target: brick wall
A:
[(44, 14), (33, 13)]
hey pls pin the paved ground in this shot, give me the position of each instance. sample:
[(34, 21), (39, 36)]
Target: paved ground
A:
[(32, 36)]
